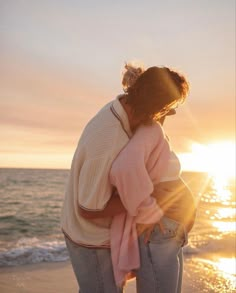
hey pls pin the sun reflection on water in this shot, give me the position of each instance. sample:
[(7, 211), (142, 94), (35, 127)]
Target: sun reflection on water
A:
[(221, 186), (226, 213), (220, 274), (227, 267), (224, 226), (223, 217)]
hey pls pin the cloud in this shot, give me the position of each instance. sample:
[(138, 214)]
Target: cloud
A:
[(46, 97)]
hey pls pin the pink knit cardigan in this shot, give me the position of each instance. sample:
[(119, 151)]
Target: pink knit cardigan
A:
[(134, 172)]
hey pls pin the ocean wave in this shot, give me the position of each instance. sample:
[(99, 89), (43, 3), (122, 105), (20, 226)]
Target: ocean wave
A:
[(224, 244), (33, 250)]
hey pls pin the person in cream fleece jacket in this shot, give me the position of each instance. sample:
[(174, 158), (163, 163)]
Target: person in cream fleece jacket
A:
[(149, 94)]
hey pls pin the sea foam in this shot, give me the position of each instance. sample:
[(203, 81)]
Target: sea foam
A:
[(32, 250)]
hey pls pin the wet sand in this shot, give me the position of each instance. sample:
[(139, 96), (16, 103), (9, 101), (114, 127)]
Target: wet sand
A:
[(199, 276)]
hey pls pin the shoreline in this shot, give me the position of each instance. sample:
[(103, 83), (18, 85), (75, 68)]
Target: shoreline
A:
[(44, 277), (199, 276)]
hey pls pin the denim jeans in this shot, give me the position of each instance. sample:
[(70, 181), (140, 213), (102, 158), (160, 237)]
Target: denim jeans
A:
[(161, 266), (92, 268), (161, 263)]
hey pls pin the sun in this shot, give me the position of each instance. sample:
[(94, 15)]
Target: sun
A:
[(221, 160), (217, 159)]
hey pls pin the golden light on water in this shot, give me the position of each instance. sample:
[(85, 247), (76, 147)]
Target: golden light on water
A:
[(226, 213), (222, 191), (224, 218), (218, 160), (227, 267), (224, 268), (220, 268), (224, 226)]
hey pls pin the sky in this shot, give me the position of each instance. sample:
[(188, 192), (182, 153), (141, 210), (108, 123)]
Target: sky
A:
[(61, 61)]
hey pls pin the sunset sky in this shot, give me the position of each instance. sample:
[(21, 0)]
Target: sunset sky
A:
[(60, 61)]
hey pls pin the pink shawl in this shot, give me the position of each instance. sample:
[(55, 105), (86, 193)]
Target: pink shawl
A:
[(134, 172)]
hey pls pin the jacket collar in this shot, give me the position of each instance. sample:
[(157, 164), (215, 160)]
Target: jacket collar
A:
[(119, 112)]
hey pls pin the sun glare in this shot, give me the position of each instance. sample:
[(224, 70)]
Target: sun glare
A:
[(224, 226), (217, 159), (227, 266)]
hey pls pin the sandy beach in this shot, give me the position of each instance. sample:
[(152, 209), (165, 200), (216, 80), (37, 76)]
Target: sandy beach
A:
[(48, 278), (199, 276)]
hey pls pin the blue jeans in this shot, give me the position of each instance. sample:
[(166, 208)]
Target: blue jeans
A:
[(161, 263), (92, 268), (161, 266)]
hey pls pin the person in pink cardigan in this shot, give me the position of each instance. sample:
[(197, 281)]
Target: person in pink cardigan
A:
[(138, 172), (147, 165)]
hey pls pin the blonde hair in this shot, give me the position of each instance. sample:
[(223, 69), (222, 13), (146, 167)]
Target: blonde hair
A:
[(131, 73)]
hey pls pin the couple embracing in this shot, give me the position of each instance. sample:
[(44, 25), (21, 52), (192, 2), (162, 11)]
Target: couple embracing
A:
[(127, 212)]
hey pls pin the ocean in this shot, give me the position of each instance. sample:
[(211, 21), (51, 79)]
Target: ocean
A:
[(30, 207)]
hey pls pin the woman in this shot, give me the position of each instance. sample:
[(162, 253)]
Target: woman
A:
[(137, 168), (88, 206), (137, 172)]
